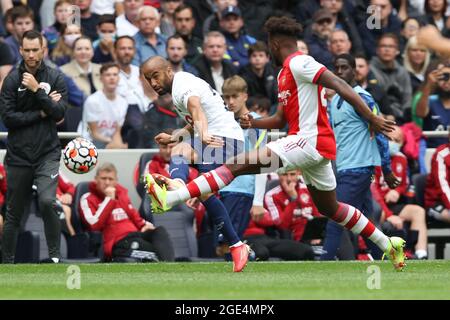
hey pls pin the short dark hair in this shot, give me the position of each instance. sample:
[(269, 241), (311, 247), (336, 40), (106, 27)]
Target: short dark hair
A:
[(283, 26), (389, 35), (347, 57), (361, 56), (31, 35), (258, 46), (21, 12), (106, 18), (177, 37), (123, 37), (105, 67), (182, 7)]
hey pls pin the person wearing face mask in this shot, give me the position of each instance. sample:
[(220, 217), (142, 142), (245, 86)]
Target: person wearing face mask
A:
[(53, 32), (104, 46), (394, 202), (62, 52)]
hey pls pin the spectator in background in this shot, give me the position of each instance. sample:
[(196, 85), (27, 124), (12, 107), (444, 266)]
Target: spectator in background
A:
[(302, 46), (344, 21), (126, 22), (107, 33), (22, 19), (416, 59), (108, 209), (53, 32), (148, 42), (104, 112), (389, 22), (391, 76), (6, 61), (435, 15), (319, 37), (410, 27), (232, 26), (434, 104), (83, 72), (161, 116), (168, 8), (131, 89), (365, 78), (89, 20), (212, 67), (281, 202), (101, 7), (184, 23), (62, 53), (259, 73), (212, 22), (394, 202), (437, 191), (64, 196), (339, 43), (176, 51), (260, 105)]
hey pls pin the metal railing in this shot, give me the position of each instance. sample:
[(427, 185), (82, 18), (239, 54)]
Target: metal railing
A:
[(273, 134)]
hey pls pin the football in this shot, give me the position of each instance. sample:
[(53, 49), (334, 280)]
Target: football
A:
[(80, 155)]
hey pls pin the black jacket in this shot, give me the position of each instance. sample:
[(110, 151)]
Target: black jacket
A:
[(31, 138), (266, 85), (204, 70)]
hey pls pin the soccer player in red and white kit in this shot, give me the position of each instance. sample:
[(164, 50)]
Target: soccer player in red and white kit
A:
[(310, 144)]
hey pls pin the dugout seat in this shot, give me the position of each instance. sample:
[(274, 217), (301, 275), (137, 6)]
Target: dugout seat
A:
[(419, 181), (85, 244), (145, 157)]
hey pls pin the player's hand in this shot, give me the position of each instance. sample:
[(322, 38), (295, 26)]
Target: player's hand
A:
[(396, 221), (212, 141), (257, 213), (381, 125), (66, 198), (30, 82), (110, 192), (193, 203), (246, 121), (392, 181), (43, 114), (427, 36), (163, 139), (290, 188), (55, 96), (392, 196), (147, 226)]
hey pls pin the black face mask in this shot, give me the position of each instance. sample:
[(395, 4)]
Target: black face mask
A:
[(443, 94)]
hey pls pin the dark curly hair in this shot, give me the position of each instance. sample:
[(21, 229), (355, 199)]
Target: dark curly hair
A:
[(284, 26)]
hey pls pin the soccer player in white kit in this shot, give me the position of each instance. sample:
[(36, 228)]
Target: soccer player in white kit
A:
[(310, 143), (214, 136)]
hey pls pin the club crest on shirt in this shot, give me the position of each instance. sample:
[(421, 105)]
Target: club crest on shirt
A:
[(283, 97), (304, 197)]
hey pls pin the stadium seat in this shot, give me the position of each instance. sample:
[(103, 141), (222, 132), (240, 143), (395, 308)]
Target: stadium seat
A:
[(145, 157), (419, 181), (179, 225)]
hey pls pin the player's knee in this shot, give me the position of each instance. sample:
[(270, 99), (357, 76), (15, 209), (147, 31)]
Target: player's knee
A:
[(47, 204)]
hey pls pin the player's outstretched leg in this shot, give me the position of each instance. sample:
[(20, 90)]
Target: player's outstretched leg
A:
[(353, 220)]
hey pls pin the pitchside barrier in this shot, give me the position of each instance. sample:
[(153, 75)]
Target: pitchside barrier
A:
[(126, 160)]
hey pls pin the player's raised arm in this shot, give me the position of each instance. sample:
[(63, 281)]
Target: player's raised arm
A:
[(377, 123), (200, 122)]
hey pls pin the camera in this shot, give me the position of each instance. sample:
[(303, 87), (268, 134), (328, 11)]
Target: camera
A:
[(445, 76)]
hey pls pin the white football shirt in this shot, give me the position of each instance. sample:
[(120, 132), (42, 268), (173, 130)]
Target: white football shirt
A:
[(108, 114), (221, 122)]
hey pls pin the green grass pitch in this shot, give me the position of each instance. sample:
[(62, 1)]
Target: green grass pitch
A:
[(260, 280)]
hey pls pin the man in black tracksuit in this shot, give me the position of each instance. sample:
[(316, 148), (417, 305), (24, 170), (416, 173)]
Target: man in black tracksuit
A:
[(33, 99)]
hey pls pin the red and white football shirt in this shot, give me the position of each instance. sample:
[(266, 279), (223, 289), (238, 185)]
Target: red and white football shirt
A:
[(304, 104)]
